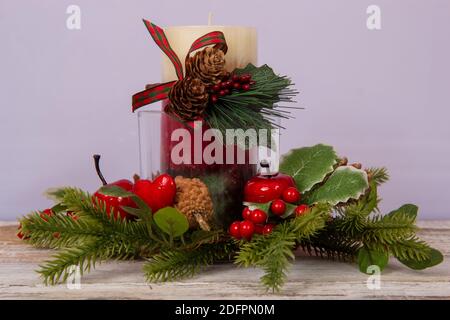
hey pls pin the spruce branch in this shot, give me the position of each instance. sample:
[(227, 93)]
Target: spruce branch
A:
[(412, 248), (257, 108), (389, 229), (58, 231), (170, 265), (378, 175), (330, 243), (84, 257), (274, 252)]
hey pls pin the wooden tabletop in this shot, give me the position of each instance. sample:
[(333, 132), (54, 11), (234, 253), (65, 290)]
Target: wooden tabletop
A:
[(309, 277)]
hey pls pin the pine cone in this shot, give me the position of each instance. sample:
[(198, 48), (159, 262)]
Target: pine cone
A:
[(208, 65), (188, 98), (194, 201)]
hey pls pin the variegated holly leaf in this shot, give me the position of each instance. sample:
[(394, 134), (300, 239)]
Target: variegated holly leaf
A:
[(308, 166), (344, 183)]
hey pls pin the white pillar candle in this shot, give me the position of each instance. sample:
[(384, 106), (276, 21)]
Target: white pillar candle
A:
[(241, 41)]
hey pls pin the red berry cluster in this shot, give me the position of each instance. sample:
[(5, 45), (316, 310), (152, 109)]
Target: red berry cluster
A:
[(228, 84), (255, 221), (290, 195)]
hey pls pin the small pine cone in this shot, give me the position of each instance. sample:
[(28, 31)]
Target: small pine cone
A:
[(194, 201), (208, 65), (188, 98)]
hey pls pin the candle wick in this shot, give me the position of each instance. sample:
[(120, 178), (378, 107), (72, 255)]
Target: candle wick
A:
[(210, 15)]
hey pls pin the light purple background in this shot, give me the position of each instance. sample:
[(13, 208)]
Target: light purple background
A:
[(380, 97)]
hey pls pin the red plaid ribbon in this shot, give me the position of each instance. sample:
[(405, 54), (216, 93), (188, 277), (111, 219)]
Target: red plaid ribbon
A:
[(160, 91)]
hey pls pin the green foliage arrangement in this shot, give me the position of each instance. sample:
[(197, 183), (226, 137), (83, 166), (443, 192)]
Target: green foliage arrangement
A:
[(257, 108), (344, 223)]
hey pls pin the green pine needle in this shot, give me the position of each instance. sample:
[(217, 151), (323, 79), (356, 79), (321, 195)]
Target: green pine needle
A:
[(170, 265), (257, 108), (378, 175), (274, 252)]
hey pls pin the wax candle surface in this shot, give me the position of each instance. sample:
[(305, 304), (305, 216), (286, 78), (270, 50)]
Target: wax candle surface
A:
[(242, 45), (242, 49)]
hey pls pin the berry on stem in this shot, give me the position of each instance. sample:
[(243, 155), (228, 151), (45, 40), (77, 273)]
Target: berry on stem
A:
[(246, 213), (245, 78), (268, 228), (291, 195), (214, 98), (258, 216), (215, 88), (301, 210), (246, 229), (246, 87), (278, 207), (234, 229)]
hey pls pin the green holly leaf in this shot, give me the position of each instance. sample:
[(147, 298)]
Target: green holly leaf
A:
[(407, 209), (367, 258), (308, 166), (115, 191), (435, 257), (171, 221), (261, 206), (136, 211), (344, 183)]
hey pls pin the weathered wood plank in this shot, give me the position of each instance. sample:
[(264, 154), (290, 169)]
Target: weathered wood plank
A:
[(309, 278)]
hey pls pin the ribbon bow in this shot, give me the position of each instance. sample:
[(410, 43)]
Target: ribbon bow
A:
[(160, 91)]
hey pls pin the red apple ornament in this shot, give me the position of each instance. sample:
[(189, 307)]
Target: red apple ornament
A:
[(158, 193), (113, 204), (263, 188)]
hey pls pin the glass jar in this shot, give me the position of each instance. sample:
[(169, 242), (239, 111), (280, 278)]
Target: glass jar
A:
[(170, 146)]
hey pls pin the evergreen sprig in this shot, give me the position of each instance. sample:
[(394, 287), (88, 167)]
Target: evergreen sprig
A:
[(90, 235), (274, 252), (257, 108), (358, 225), (349, 230), (170, 265)]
